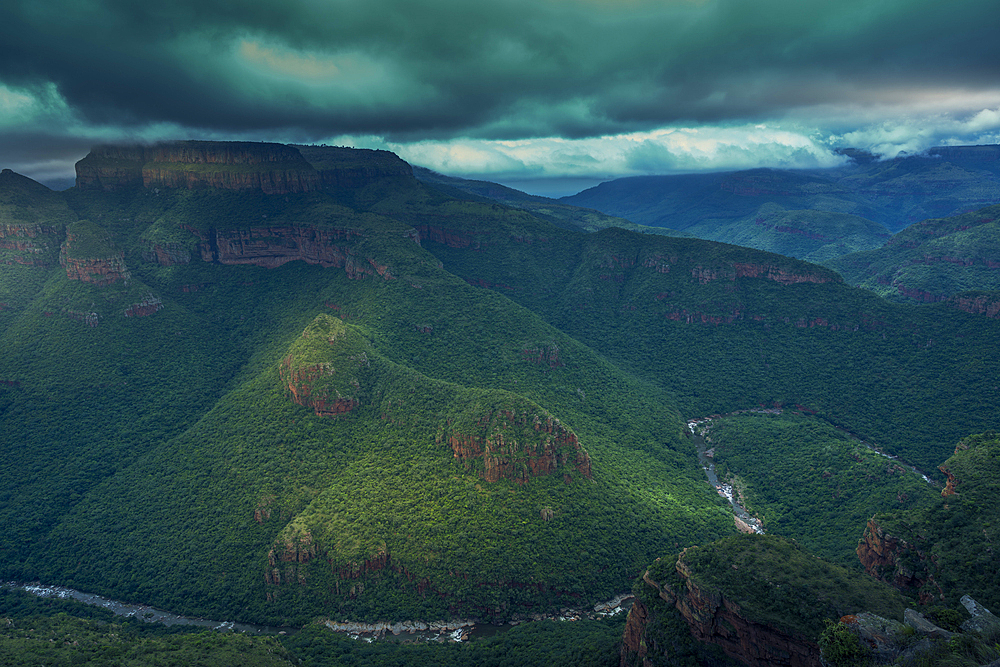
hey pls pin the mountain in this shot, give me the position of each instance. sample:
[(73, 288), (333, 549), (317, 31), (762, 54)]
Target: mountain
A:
[(278, 383), (546, 208), (757, 599), (810, 214), (237, 395), (933, 260)]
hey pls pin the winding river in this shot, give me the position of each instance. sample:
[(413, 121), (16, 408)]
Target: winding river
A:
[(453, 630)]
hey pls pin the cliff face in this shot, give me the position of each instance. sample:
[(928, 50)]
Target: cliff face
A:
[(89, 256), (30, 244), (988, 305), (519, 446), (304, 388), (323, 369), (897, 562), (271, 247), (270, 168)]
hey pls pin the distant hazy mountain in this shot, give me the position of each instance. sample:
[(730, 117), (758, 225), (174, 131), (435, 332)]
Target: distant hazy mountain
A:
[(555, 211), (931, 260), (753, 207)]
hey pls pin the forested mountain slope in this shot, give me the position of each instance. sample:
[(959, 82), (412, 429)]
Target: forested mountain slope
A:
[(276, 405), (814, 215), (274, 383)]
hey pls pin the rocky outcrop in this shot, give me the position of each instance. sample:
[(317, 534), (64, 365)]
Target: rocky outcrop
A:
[(270, 247), (897, 562), (988, 305), (714, 619), (166, 254), (323, 368), (519, 446), (351, 168), (269, 168), (706, 275), (149, 305), (302, 385), (88, 255), (29, 244)]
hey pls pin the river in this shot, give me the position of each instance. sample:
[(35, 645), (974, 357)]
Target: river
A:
[(453, 630)]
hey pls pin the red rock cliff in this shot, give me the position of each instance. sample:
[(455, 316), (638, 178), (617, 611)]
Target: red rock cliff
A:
[(101, 271), (271, 247), (519, 447), (33, 244), (897, 562), (270, 168), (714, 619)]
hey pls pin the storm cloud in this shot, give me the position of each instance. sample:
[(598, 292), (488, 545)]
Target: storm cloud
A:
[(444, 72)]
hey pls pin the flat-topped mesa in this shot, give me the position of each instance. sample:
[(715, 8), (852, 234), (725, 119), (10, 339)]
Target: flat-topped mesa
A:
[(350, 168), (229, 165)]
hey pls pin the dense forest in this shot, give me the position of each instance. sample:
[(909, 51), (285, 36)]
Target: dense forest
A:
[(331, 390)]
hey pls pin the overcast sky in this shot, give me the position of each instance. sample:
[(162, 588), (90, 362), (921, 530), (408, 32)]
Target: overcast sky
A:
[(507, 90)]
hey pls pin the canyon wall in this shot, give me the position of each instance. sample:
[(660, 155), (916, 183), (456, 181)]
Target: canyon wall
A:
[(269, 168)]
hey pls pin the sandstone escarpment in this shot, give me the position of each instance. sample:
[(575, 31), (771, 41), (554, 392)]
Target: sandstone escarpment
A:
[(166, 254), (269, 168), (351, 168), (28, 244), (988, 305), (88, 255), (713, 619), (898, 562), (270, 247), (519, 446), (705, 275)]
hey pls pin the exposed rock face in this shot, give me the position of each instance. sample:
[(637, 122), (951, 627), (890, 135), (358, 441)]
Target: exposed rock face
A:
[(351, 168), (322, 370), (271, 247), (302, 384), (714, 619), (977, 305), (270, 168), (166, 254), (105, 269), (148, 306), (533, 446), (749, 270), (892, 560), (34, 244)]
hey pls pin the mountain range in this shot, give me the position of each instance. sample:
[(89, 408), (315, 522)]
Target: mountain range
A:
[(278, 383)]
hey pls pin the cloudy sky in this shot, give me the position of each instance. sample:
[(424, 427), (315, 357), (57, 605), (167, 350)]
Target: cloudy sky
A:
[(526, 92)]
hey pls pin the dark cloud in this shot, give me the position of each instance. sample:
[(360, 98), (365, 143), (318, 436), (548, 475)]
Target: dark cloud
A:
[(409, 70)]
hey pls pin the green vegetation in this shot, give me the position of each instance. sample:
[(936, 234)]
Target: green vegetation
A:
[(778, 583), (931, 260), (810, 481), (484, 423), (948, 548)]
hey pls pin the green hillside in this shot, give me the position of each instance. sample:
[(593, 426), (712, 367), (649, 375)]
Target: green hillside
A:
[(370, 399), (945, 551), (178, 468), (811, 482), (932, 260), (724, 328)]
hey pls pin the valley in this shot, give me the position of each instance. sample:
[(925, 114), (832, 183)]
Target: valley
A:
[(279, 384)]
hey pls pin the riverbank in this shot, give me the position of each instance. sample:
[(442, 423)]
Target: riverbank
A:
[(450, 630)]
